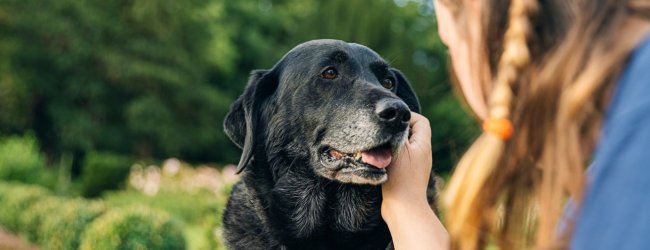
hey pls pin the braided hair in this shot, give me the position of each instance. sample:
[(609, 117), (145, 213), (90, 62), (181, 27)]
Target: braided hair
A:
[(473, 171), (554, 64)]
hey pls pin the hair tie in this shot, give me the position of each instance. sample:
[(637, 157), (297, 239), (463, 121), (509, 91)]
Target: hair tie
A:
[(500, 127)]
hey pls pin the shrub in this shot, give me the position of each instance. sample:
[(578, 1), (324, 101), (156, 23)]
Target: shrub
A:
[(14, 200), (31, 220), (199, 211), (4, 188), (103, 171), (190, 207), (20, 159), (133, 228), (62, 227)]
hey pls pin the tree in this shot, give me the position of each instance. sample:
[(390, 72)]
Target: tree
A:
[(124, 76), (154, 78)]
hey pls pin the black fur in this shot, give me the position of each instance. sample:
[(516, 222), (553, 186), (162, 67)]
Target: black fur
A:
[(293, 194)]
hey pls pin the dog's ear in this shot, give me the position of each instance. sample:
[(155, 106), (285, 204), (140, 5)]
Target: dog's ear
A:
[(405, 92), (241, 123)]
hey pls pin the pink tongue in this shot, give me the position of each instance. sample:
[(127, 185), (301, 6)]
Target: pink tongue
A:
[(379, 158)]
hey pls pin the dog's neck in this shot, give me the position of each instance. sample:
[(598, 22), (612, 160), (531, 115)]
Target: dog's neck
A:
[(302, 205)]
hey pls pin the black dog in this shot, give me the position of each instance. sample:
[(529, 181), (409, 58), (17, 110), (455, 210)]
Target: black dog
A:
[(317, 132)]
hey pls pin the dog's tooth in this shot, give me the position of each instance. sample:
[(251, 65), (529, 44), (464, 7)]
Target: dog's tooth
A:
[(357, 155), (336, 154)]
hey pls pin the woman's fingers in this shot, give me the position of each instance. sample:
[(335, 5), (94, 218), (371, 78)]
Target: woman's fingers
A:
[(420, 129), (409, 173)]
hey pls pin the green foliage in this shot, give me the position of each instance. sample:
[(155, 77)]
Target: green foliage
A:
[(200, 212), (14, 200), (57, 223), (155, 78), (124, 76), (31, 220), (133, 228), (452, 137), (103, 171), (63, 228), (191, 208), (20, 159)]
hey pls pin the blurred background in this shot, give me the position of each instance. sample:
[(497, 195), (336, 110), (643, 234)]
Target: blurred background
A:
[(114, 109)]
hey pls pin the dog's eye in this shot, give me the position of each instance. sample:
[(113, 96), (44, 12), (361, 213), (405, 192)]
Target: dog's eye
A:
[(388, 83), (329, 73)]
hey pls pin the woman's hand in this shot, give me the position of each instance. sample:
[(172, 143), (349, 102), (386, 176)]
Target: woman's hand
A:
[(409, 173), (411, 222)]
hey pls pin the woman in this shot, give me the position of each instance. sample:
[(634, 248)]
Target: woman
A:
[(558, 85)]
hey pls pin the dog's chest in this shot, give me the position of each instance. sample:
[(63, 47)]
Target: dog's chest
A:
[(338, 217), (355, 208), (313, 206)]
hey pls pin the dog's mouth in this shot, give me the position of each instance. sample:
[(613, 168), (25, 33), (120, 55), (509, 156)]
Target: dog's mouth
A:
[(379, 157), (366, 166)]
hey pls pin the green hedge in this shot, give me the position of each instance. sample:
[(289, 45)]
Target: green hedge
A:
[(201, 215), (60, 223), (14, 200), (190, 207), (32, 219), (133, 228), (20, 159), (64, 228), (103, 171)]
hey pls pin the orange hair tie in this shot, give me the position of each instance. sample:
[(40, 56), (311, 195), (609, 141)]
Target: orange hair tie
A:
[(498, 126)]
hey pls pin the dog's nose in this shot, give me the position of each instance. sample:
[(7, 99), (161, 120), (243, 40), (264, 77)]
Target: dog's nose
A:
[(392, 110)]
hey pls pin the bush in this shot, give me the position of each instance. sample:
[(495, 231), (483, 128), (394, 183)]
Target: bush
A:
[(14, 200), (63, 227), (133, 228), (20, 159), (200, 211), (59, 223), (103, 171), (191, 208), (31, 220), (4, 188)]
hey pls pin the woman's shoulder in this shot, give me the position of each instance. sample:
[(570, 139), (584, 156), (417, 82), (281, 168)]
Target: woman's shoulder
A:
[(615, 213), (633, 88)]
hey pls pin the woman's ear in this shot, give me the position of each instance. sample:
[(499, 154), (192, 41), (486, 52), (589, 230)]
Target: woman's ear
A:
[(241, 123), (405, 92)]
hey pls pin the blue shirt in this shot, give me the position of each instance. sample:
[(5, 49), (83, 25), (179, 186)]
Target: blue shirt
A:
[(615, 213)]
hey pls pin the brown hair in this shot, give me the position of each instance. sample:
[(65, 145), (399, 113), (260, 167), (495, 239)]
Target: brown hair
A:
[(552, 66)]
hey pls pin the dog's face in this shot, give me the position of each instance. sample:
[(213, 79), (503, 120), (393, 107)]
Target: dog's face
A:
[(345, 109)]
